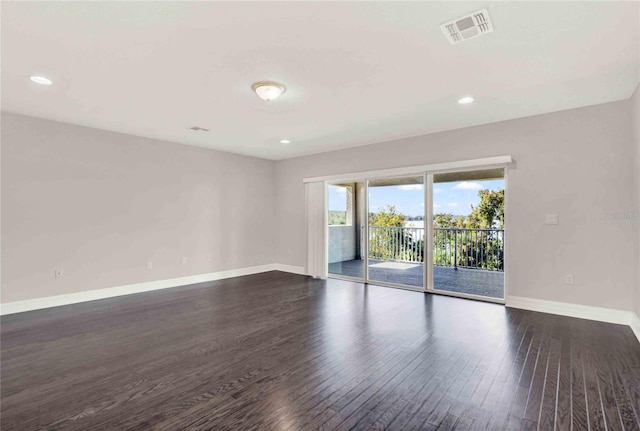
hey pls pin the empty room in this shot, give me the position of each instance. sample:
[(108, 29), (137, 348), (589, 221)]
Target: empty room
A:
[(320, 215)]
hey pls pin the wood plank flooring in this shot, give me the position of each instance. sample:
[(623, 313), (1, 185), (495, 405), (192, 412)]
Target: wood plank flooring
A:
[(278, 351)]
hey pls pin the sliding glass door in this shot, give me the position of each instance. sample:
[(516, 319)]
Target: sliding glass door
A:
[(441, 232), (468, 232), (396, 231)]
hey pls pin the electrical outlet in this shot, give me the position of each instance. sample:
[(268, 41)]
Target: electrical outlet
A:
[(59, 273), (568, 279), (149, 265), (184, 259)]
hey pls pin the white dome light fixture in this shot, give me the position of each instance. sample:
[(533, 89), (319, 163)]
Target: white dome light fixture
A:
[(41, 80), (268, 90), (465, 100), (285, 141)]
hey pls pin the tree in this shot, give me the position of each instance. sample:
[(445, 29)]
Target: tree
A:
[(387, 216), (448, 220), (337, 217), (443, 220), (389, 240), (476, 249), (490, 211)]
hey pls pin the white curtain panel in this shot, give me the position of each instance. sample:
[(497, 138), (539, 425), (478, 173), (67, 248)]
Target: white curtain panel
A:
[(315, 199)]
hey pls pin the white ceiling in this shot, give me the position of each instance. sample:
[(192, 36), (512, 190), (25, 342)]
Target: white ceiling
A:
[(356, 72)]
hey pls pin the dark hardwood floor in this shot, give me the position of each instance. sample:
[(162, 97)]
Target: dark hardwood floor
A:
[(278, 351)]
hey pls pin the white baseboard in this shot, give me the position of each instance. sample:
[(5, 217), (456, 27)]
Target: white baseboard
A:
[(635, 325), (92, 295), (290, 268), (608, 315)]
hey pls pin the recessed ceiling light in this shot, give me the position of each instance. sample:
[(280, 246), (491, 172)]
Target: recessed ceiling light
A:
[(268, 90), (41, 80), (285, 141), (465, 100)]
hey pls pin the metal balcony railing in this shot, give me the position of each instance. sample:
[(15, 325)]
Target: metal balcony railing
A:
[(469, 248), (452, 247), (402, 244)]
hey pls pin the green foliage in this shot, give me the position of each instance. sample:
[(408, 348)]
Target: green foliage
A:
[(475, 249), (387, 216), (481, 249), (488, 214), (337, 217), (490, 211), (447, 220), (389, 239)]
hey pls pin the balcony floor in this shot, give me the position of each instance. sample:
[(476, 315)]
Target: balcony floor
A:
[(469, 281)]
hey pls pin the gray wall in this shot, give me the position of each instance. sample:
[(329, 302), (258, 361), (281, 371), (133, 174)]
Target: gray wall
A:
[(342, 243), (101, 204), (573, 163)]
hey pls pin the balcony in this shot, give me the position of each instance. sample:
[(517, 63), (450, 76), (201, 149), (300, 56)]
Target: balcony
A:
[(469, 261)]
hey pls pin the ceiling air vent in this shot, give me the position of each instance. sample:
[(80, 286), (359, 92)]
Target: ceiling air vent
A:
[(467, 27)]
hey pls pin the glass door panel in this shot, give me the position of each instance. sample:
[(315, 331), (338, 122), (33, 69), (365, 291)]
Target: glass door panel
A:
[(468, 232), (396, 231), (346, 227)]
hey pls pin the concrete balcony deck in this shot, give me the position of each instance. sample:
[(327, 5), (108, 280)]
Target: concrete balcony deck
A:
[(469, 281)]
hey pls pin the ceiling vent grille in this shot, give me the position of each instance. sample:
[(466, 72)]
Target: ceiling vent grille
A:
[(467, 27)]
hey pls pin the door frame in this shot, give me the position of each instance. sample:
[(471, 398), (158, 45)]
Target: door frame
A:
[(430, 286), (427, 171), (367, 279)]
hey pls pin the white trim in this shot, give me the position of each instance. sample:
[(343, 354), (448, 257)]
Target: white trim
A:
[(467, 296), (487, 162), (325, 218), (290, 268), (111, 292), (345, 278), (600, 314), (365, 252), (506, 248), (635, 325), (92, 295), (427, 262)]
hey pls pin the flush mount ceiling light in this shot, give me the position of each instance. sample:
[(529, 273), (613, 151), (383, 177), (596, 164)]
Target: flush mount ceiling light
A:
[(285, 141), (41, 80), (268, 90), (465, 100)]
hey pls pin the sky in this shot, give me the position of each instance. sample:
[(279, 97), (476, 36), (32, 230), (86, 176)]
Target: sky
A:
[(455, 198)]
